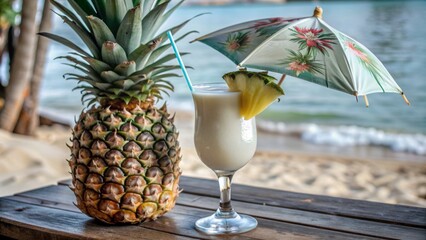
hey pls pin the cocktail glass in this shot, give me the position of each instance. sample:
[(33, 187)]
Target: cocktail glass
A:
[(225, 142)]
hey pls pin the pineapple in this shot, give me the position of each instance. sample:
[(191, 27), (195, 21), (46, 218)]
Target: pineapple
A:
[(258, 90), (125, 152)]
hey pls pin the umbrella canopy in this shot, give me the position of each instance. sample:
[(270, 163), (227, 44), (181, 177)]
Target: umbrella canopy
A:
[(307, 48)]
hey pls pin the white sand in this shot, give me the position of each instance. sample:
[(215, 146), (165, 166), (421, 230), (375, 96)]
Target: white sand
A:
[(27, 163)]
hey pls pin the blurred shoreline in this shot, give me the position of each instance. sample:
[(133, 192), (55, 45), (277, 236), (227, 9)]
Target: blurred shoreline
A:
[(281, 162), (342, 140), (294, 144), (304, 102)]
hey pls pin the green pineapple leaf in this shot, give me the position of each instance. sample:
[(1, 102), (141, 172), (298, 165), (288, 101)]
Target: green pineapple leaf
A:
[(84, 36), (164, 17), (85, 6), (162, 60), (125, 68), (175, 29), (100, 30), (133, 93), (113, 53), (147, 6), (115, 13), (100, 6), (68, 75), (130, 31), (124, 84), (68, 13), (74, 60), (65, 42), (98, 85), (129, 4), (158, 77), (166, 68), (99, 66), (127, 55), (111, 76), (92, 101), (164, 84), (136, 2), (141, 52), (82, 13), (160, 50), (89, 72), (126, 99), (149, 22), (116, 91)]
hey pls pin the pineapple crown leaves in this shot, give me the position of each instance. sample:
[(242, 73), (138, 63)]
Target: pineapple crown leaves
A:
[(125, 56)]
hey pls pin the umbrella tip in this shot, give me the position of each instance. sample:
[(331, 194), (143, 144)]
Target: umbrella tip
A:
[(405, 99), (367, 104), (318, 12)]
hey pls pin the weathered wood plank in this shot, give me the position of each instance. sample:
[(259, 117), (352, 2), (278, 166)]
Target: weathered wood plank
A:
[(398, 214), (61, 194), (320, 220), (267, 229), (28, 221), (181, 220)]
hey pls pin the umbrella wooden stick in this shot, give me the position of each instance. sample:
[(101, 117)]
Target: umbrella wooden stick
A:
[(281, 79), (405, 99), (366, 101)]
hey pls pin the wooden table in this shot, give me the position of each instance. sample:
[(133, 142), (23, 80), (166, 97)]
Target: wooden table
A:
[(48, 213)]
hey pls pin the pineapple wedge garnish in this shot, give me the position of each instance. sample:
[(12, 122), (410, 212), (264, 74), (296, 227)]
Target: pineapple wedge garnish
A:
[(258, 90)]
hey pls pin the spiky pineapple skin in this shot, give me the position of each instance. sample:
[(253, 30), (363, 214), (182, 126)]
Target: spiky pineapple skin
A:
[(125, 164)]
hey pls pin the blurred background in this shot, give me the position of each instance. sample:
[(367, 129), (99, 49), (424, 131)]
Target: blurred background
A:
[(310, 123), (391, 29)]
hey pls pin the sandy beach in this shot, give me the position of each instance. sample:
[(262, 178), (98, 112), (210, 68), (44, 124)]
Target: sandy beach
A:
[(281, 162)]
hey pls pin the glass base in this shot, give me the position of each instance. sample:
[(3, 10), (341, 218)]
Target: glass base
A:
[(226, 223)]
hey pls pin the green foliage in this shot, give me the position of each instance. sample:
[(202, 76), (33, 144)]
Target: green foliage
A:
[(127, 57), (7, 14), (130, 31)]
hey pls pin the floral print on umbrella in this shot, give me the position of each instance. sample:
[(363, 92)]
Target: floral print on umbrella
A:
[(319, 53), (237, 42), (313, 39), (364, 58), (301, 63), (357, 51)]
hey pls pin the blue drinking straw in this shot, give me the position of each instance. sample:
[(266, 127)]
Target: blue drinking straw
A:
[(182, 66)]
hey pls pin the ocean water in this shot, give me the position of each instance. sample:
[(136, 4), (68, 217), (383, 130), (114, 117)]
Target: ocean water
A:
[(393, 30)]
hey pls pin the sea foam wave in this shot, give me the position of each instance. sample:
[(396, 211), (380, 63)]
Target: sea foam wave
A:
[(350, 136), (313, 133)]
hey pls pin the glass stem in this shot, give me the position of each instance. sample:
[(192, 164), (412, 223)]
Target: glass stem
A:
[(225, 178)]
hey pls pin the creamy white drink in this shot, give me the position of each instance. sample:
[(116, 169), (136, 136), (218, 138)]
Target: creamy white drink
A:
[(224, 141)]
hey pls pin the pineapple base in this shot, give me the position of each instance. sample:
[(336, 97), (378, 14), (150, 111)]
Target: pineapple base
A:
[(125, 163)]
